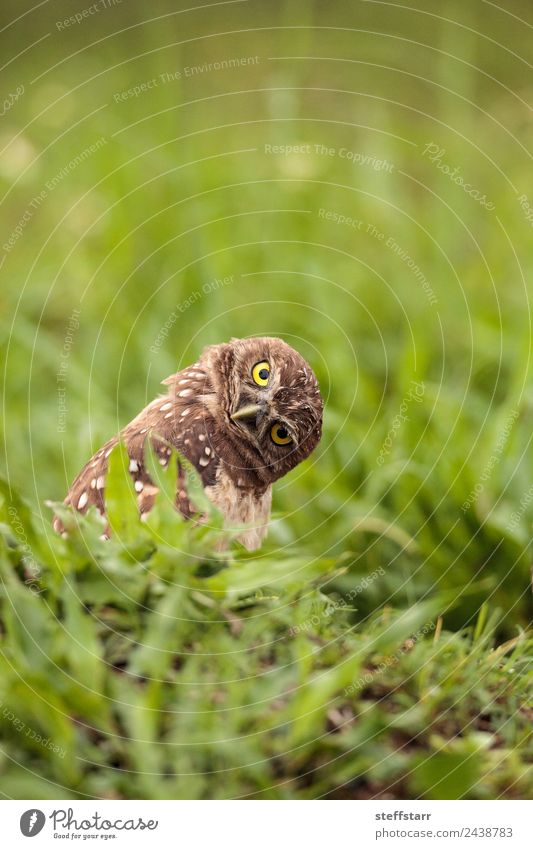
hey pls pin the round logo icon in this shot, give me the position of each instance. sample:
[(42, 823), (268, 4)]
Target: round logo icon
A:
[(32, 822)]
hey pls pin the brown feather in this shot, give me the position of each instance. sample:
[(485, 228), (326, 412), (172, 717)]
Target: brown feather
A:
[(237, 462)]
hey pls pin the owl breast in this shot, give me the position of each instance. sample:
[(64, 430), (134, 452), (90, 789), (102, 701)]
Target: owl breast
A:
[(246, 510)]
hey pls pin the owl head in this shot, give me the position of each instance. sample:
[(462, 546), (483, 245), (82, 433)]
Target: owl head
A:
[(267, 398)]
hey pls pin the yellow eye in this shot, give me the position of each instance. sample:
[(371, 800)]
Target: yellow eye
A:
[(280, 435), (261, 373)]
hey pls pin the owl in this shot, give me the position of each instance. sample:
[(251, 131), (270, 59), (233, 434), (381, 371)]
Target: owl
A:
[(244, 415)]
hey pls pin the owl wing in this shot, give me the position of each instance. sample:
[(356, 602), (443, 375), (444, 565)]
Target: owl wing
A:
[(179, 419)]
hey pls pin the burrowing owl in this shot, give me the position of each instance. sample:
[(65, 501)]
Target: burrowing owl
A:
[(244, 415)]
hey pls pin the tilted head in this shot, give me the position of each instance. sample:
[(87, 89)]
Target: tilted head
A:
[(268, 399)]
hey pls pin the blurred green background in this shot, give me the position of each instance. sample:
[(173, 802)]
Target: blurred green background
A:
[(153, 202)]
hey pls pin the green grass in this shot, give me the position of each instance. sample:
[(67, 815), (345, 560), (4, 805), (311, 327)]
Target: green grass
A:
[(161, 671), (379, 644)]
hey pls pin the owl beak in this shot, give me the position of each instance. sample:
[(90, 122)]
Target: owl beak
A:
[(249, 411)]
